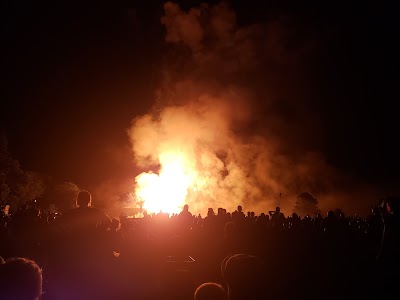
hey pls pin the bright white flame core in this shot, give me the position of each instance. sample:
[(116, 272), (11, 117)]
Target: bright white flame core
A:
[(166, 191)]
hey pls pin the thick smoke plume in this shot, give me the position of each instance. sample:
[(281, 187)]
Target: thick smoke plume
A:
[(234, 104)]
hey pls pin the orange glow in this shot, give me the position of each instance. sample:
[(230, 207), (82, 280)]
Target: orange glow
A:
[(166, 191)]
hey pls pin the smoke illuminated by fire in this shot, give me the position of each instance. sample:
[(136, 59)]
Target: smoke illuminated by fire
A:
[(194, 135), (193, 146), (207, 137)]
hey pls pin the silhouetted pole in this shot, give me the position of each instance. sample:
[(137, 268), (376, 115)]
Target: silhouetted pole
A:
[(279, 200)]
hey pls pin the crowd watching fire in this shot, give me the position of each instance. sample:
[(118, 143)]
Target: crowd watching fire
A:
[(85, 254)]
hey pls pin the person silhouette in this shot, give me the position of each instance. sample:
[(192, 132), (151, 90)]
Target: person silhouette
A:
[(83, 242), (277, 218), (238, 216), (185, 218), (85, 217)]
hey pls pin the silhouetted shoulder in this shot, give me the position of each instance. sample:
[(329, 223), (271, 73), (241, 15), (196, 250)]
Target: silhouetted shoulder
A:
[(83, 218)]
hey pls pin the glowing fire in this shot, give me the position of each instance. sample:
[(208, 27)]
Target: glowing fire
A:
[(166, 191)]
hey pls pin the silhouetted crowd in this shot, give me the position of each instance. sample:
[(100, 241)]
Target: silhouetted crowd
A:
[(84, 254)]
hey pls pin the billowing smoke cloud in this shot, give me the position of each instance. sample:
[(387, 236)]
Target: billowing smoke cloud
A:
[(113, 195), (234, 102)]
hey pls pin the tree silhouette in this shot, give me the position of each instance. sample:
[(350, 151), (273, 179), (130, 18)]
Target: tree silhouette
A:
[(11, 175), (34, 185), (63, 195), (306, 204), (16, 185)]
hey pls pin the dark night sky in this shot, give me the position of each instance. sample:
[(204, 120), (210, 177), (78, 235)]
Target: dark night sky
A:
[(74, 74)]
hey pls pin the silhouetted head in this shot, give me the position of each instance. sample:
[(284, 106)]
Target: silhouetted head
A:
[(278, 209), (243, 276), (210, 211), (210, 291), (21, 279), (186, 207), (240, 208), (84, 199)]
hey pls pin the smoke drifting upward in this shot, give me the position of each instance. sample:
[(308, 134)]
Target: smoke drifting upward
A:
[(232, 124)]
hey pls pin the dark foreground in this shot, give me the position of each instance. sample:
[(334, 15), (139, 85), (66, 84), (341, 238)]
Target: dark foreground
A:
[(161, 257)]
